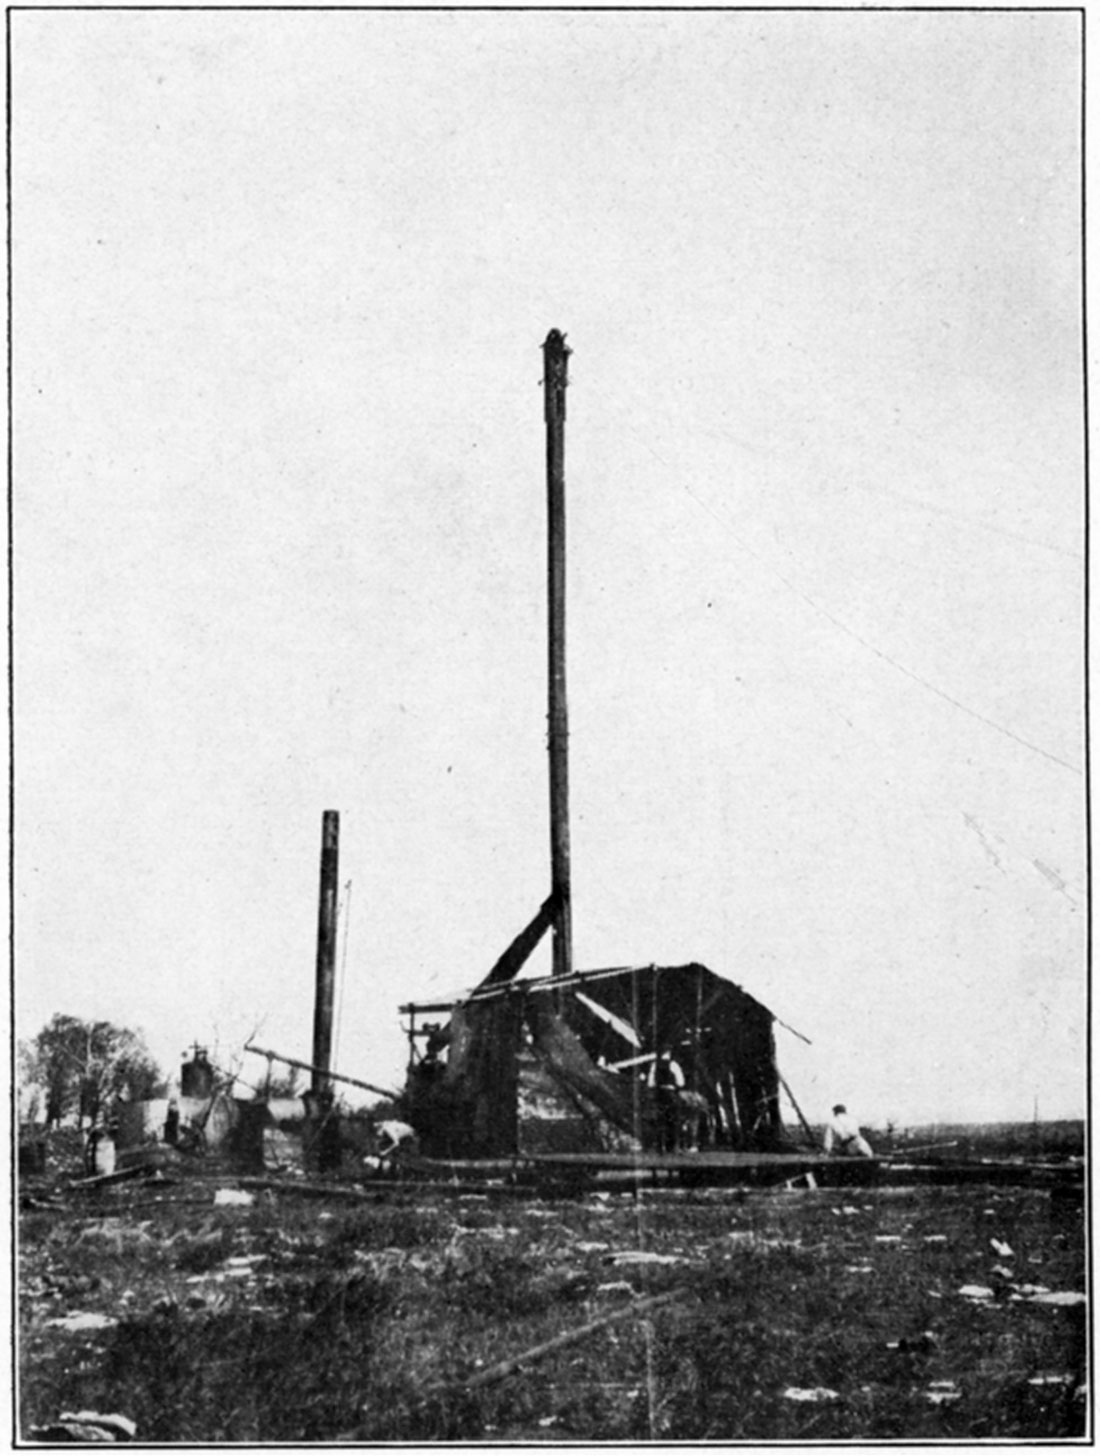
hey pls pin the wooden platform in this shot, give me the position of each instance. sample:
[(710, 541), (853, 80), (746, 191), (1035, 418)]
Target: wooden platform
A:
[(578, 1170), (714, 1168), (711, 1158), (630, 1161)]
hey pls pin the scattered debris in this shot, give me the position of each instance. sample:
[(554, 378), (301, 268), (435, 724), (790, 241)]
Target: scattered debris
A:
[(83, 1321), (124, 1236), (1003, 1271), (100, 1180), (1066, 1298), (922, 1344), (643, 1256), (85, 1427), (234, 1198), (816, 1394), (803, 1180), (942, 1392), (307, 1189), (1002, 1250)]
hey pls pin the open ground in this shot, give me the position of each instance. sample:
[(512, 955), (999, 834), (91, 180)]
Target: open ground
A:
[(371, 1315)]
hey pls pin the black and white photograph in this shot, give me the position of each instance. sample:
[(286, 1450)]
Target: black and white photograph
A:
[(548, 725)]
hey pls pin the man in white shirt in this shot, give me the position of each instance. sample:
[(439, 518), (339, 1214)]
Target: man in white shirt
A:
[(392, 1135), (842, 1135)]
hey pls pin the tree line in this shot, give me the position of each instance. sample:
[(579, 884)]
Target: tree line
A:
[(83, 1066)]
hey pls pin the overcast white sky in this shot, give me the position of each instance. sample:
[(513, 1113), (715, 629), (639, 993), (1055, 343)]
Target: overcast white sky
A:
[(280, 284)]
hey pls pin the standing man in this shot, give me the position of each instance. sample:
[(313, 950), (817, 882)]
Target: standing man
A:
[(842, 1135), (667, 1090), (172, 1123)]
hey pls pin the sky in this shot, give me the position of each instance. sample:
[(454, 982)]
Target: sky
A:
[(280, 282)]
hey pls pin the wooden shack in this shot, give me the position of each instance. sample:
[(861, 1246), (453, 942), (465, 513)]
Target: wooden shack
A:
[(645, 1058)]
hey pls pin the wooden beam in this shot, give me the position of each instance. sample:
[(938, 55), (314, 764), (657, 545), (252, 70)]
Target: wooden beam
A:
[(798, 1110), (519, 951), (333, 1076), (570, 1337)]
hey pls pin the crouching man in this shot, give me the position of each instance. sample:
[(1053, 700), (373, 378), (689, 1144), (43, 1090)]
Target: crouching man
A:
[(842, 1135), (391, 1138), (394, 1137)]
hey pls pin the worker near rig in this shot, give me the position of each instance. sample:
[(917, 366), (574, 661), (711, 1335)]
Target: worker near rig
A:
[(843, 1135)]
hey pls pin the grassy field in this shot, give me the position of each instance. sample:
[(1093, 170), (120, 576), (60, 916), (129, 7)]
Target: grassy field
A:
[(794, 1315), (1042, 1140)]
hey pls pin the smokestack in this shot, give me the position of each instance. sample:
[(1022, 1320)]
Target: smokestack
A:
[(555, 379), (326, 955)]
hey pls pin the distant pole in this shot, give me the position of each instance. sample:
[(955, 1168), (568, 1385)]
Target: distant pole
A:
[(555, 379), (326, 955)]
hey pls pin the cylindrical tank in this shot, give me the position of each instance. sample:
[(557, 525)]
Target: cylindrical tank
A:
[(197, 1076)]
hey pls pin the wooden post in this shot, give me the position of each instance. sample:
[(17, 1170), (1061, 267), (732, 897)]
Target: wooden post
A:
[(636, 1020), (326, 956), (555, 379), (697, 1039), (733, 1110)]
